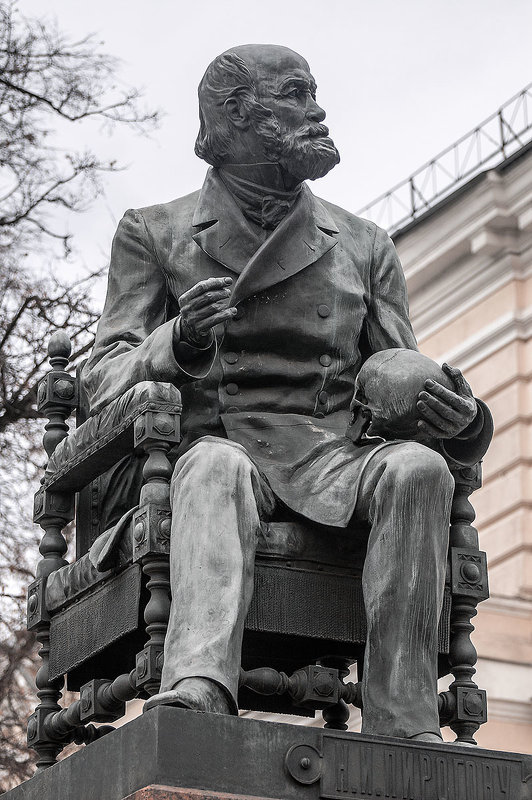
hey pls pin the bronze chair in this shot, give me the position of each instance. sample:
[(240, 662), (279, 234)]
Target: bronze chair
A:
[(101, 621)]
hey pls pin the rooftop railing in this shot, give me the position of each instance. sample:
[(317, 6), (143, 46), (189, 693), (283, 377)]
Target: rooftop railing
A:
[(494, 140)]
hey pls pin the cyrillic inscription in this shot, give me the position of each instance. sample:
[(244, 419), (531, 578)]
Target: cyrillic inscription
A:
[(357, 769)]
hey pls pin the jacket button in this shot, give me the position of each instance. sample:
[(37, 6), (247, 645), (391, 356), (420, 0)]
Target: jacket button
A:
[(324, 310), (325, 360), (232, 410), (319, 415), (322, 398), (231, 358), (231, 388)]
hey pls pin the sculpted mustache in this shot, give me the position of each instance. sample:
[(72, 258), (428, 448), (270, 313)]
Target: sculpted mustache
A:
[(312, 131)]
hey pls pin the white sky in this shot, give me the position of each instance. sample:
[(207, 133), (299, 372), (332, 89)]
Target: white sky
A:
[(400, 80)]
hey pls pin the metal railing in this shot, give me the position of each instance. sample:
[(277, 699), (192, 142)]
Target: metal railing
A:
[(499, 136)]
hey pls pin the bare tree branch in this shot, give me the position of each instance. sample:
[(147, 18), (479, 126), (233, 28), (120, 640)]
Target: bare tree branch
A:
[(46, 83)]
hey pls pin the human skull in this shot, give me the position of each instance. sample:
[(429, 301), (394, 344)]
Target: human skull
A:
[(386, 393)]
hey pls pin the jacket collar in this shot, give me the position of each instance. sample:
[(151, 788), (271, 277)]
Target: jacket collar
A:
[(221, 230)]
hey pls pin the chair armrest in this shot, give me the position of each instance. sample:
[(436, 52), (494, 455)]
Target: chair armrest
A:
[(104, 439)]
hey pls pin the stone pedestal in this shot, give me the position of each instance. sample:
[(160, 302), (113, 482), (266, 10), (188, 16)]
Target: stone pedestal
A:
[(167, 793), (171, 754)]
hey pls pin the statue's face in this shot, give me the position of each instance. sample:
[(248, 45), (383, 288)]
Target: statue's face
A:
[(286, 86), (294, 136)]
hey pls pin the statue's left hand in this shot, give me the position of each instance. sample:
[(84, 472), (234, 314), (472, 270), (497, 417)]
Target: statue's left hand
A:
[(444, 413)]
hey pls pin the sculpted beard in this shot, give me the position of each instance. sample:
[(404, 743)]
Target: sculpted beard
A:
[(306, 154)]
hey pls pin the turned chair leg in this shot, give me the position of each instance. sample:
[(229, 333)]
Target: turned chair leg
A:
[(469, 586), (155, 433), (57, 396), (337, 716)]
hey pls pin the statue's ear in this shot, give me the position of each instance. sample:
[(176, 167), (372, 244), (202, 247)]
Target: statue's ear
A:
[(237, 112)]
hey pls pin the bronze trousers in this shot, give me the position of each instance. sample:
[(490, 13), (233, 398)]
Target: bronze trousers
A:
[(219, 498)]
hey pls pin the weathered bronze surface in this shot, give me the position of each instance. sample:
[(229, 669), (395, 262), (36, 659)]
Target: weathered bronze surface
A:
[(260, 303)]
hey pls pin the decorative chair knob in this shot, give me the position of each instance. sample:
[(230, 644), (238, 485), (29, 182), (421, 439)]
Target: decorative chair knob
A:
[(59, 350)]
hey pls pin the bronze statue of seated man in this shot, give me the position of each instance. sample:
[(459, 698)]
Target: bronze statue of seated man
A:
[(261, 303)]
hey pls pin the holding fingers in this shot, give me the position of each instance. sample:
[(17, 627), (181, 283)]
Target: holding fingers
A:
[(445, 413), (203, 307)]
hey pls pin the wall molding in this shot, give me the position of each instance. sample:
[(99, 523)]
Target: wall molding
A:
[(508, 606), (464, 290), (510, 327), (509, 711), (469, 250)]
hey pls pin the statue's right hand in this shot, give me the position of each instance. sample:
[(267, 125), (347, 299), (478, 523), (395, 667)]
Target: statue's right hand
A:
[(203, 307)]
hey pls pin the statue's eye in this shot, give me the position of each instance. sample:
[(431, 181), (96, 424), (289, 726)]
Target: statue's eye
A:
[(299, 93)]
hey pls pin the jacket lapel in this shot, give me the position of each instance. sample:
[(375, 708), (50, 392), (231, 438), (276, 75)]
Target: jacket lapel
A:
[(304, 236), (221, 230)]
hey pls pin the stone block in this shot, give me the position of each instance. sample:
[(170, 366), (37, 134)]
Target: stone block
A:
[(173, 754)]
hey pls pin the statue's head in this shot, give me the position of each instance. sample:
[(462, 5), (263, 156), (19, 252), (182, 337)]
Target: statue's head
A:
[(386, 394), (257, 104)]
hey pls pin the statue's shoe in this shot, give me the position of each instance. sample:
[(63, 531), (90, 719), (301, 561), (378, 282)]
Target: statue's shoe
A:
[(463, 744), (198, 694), (427, 737), (432, 737)]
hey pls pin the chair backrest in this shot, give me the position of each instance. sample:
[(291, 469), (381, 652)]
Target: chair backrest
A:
[(93, 514)]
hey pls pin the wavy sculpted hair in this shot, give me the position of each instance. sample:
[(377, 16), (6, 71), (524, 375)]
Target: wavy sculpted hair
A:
[(226, 77)]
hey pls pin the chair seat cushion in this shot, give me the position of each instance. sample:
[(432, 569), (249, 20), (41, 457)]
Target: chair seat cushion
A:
[(296, 543)]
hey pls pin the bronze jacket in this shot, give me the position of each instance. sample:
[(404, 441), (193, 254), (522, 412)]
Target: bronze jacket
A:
[(321, 293)]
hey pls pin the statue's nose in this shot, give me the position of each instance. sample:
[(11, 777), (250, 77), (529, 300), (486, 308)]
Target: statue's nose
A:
[(314, 111)]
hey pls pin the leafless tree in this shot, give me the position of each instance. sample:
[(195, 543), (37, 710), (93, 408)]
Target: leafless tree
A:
[(48, 85)]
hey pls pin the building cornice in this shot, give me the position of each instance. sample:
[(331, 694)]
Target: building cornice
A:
[(460, 291), (509, 711), (508, 606), (470, 249), (510, 327)]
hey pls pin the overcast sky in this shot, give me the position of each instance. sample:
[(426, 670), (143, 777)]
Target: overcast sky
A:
[(399, 79)]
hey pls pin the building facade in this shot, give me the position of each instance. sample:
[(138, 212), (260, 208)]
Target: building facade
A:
[(468, 264)]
